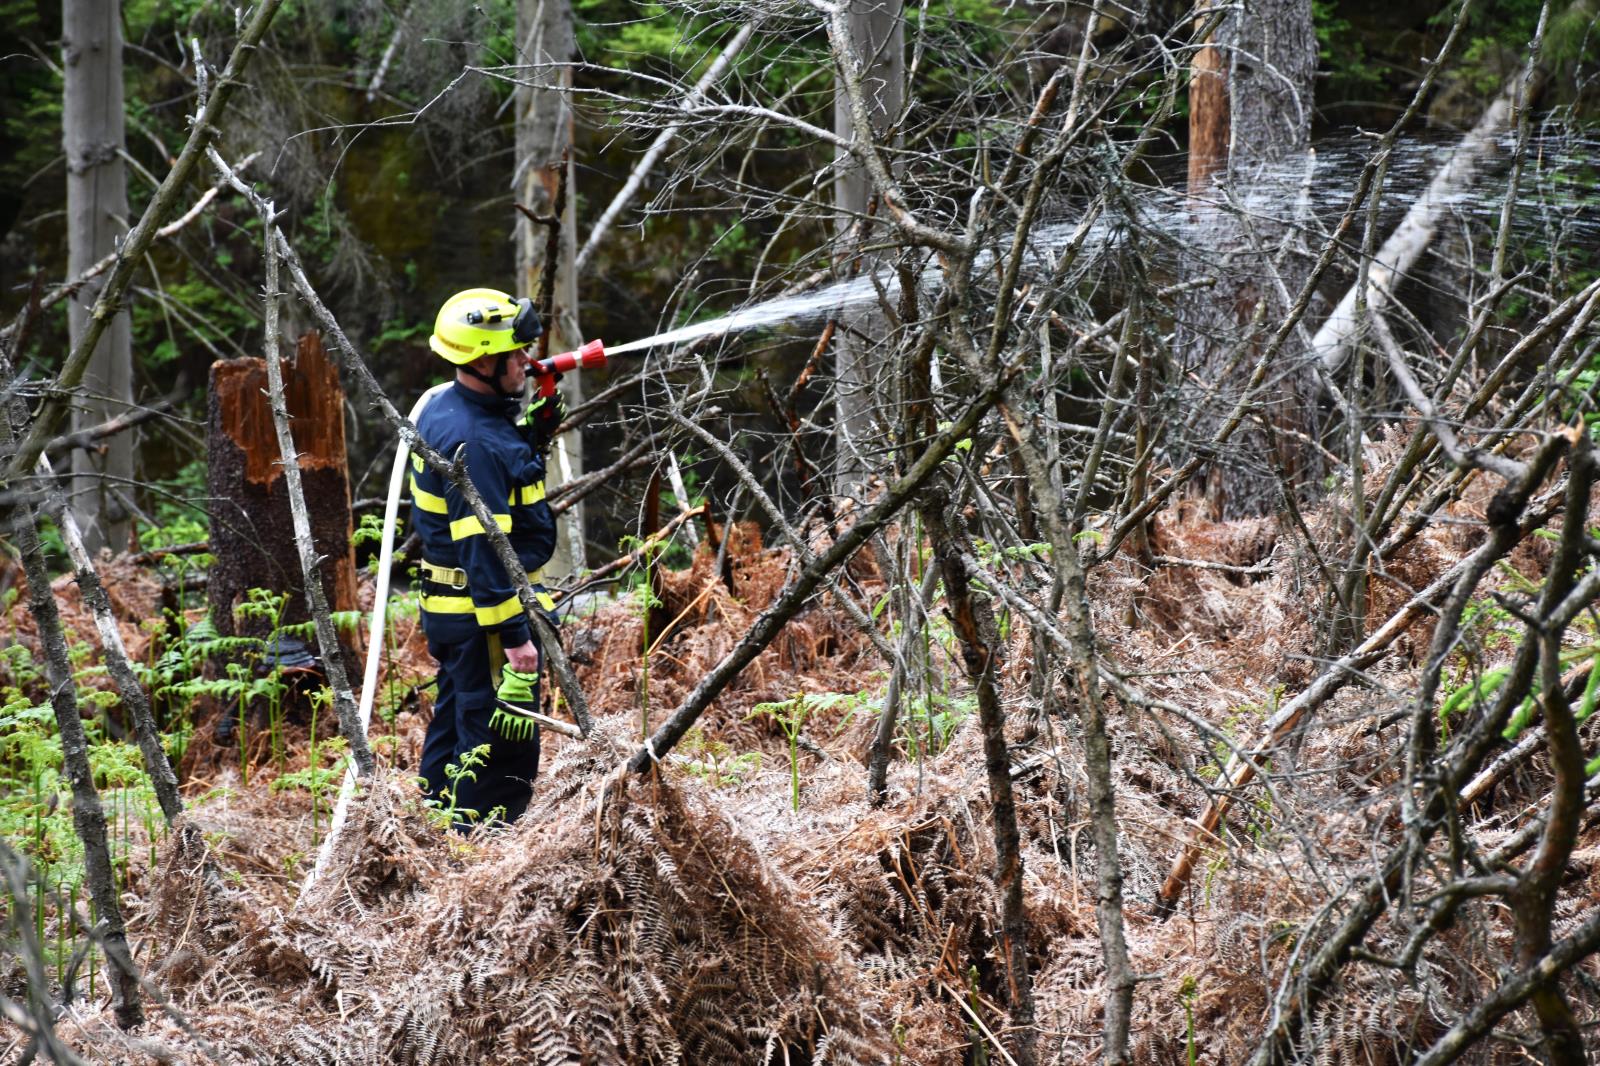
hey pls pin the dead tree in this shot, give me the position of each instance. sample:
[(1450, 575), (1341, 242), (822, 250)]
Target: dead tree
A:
[(1249, 119), (547, 249), (97, 209), (252, 534)]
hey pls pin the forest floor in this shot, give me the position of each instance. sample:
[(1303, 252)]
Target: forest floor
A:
[(711, 914)]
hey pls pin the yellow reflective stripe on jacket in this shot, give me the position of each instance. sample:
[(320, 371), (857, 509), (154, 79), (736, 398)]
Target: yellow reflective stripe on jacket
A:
[(545, 601), (447, 604), (462, 528), (416, 463), (427, 500), (527, 494), (493, 616)]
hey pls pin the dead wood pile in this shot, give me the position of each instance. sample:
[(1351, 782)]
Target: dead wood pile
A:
[(698, 919)]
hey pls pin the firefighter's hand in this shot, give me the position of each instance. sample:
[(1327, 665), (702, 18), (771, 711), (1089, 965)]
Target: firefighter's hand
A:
[(524, 658), (544, 415)]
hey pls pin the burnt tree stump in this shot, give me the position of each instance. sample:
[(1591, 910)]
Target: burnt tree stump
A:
[(252, 533)]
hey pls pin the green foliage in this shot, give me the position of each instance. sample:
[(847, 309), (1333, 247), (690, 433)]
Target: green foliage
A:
[(444, 810), (929, 721), (1342, 53), (715, 762), (791, 716), (315, 778)]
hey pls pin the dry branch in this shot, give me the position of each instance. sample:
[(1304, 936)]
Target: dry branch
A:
[(658, 147), (797, 591), (159, 769), (350, 725)]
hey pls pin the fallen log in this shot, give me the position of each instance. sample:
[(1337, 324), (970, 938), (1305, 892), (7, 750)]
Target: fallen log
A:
[(1400, 252)]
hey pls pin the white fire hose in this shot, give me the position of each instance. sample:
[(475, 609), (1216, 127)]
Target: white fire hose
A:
[(380, 603)]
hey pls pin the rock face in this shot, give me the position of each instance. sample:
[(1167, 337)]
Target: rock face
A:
[(252, 535)]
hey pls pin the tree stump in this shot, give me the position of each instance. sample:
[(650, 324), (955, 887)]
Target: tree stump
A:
[(252, 534)]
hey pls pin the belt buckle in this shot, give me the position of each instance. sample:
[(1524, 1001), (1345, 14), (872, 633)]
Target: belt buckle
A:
[(460, 582)]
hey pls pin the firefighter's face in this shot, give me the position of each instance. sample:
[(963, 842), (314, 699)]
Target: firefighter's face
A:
[(516, 372)]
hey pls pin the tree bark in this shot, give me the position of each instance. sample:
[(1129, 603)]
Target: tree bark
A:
[(973, 622), (1250, 113), (156, 764), (88, 816), (877, 30), (93, 130), (253, 534), (543, 151)]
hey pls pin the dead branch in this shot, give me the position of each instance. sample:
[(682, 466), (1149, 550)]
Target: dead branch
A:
[(794, 595), (658, 147), (157, 766), (350, 724)]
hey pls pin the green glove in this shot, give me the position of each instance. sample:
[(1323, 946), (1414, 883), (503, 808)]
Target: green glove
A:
[(518, 694), (544, 415)]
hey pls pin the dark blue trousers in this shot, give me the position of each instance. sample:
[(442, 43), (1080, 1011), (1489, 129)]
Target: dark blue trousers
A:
[(461, 711)]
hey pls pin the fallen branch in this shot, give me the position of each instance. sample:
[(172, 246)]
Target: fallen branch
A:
[(1411, 238), (622, 562), (1240, 770), (1513, 992), (344, 701), (565, 496)]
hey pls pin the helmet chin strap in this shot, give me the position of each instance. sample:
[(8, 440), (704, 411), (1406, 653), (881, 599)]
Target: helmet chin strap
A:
[(492, 381)]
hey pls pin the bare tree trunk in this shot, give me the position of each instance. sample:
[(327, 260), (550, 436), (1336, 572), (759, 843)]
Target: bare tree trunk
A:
[(878, 32), (88, 817), (97, 216), (213, 102), (973, 621), (1250, 113), (543, 150)]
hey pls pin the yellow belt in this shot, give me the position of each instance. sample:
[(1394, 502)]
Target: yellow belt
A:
[(452, 576)]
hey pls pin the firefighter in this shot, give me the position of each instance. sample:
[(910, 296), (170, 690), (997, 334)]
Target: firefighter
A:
[(476, 628)]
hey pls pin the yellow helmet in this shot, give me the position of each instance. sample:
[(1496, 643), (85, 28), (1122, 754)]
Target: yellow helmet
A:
[(483, 322)]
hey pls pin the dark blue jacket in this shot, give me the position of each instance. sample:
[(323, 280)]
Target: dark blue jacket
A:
[(510, 478)]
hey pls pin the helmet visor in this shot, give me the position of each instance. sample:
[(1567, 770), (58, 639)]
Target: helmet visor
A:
[(525, 327)]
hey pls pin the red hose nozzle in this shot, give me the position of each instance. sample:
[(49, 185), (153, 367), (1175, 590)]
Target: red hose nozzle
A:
[(588, 357)]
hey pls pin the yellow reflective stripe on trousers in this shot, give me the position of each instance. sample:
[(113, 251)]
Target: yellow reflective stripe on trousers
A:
[(447, 604), (462, 528), (493, 616), (527, 494), (427, 500)]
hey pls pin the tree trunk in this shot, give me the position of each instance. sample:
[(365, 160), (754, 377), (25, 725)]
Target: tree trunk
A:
[(543, 150), (878, 32), (973, 622), (97, 216), (252, 531), (1249, 117)]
